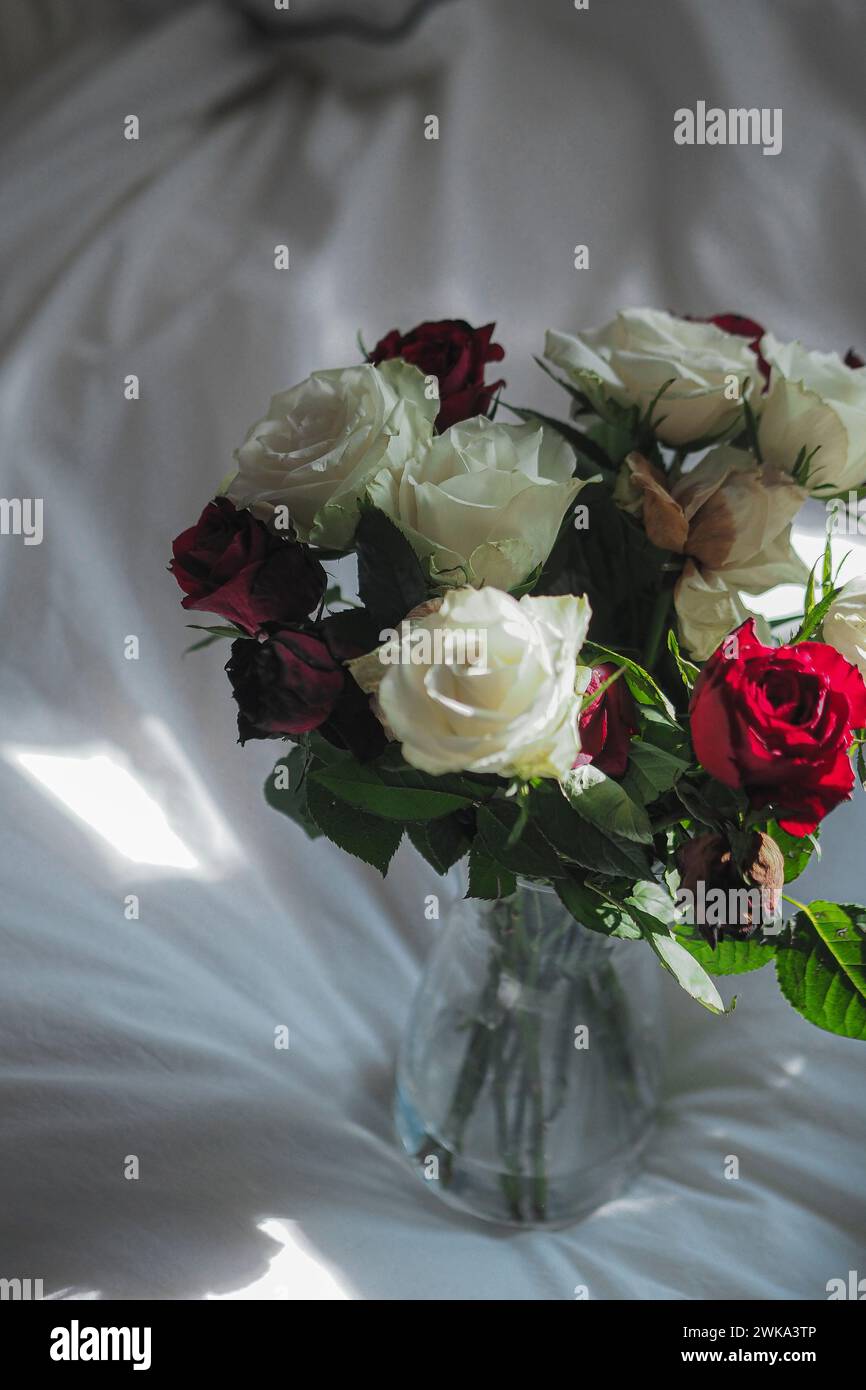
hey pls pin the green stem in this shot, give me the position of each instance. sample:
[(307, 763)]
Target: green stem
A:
[(658, 622), (801, 907), (530, 1026)]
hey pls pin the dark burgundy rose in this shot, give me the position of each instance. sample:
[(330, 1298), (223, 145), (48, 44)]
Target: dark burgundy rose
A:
[(288, 683), (607, 724), (853, 359), (778, 722), (456, 354), (709, 859), (743, 328), (230, 564)]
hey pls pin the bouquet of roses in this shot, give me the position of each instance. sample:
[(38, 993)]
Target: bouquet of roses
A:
[(551, 670)]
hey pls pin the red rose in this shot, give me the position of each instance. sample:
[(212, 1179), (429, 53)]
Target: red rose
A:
[(229, 563), (778, 722), (287, 684), (456, 354), (607, 724)]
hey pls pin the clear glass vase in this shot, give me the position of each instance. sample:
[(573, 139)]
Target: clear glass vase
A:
[(528, 1075)]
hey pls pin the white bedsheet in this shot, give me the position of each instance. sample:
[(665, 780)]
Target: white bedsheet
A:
[(272, 1173)]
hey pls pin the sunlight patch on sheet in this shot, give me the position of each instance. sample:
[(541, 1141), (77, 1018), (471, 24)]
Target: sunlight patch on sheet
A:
[(296, 1272), (109, 799)]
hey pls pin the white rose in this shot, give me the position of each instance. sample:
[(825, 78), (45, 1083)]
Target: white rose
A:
[(815, 402), (631, 358), (514, 712), (708, 609), (483, 503), (845, 623), (322, 440)]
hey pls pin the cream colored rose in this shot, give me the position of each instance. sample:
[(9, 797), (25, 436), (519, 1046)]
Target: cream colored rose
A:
[(722, 512), (515, 711), (815, 402), (708, 609), (322, 440), (845, 623), (732, 519), (631, 358), (483, 503)]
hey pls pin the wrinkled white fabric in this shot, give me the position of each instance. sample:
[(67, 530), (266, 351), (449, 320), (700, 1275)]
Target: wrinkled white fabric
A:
[(270, 1171)]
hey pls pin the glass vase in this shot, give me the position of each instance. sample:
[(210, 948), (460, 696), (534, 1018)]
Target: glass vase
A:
[(528, 1075)]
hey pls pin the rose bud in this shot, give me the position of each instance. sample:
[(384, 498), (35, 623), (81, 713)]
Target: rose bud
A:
[(607, 724), (230, 564), (456, 354), (707, 863), (288, 683), (778, 722)]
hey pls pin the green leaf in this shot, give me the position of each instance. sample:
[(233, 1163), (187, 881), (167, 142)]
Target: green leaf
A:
[(815, 617), (582, 403), (607, 804), (688, 972), (711, 803), (652, 899), (616, 440), (391, 580), (487, 879), (360, 785), (199, 646), (531, 856), (594, 910), (687, 669), (394, 771), (734, 957), (291, 799), (651, 771), (797, 849), (822, 968), (441, 842), (221, 630), (366, 837), (612, 562), (577, 840), (640, 682), (215, 632)]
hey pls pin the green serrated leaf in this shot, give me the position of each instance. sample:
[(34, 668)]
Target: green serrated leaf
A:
[(640, 682), (487, 878), (595, 911), (797, 849), (366, 837), (531, 856), (391, 580), (821, 968), (359, 784), (286, 789), (578, 841), (441, 842), (606, 803), (651, 771), (734, 957)]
